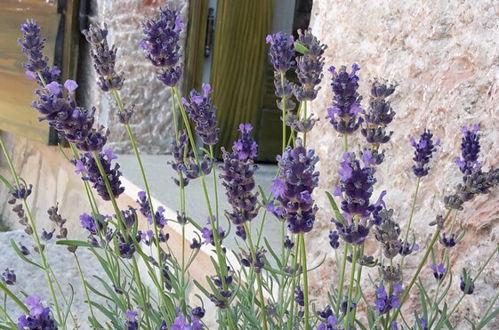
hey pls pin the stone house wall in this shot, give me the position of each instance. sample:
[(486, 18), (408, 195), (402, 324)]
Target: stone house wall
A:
[(444, 57)]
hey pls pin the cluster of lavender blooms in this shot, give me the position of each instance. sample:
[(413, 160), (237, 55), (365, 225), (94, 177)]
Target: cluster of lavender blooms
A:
[(267, 290)]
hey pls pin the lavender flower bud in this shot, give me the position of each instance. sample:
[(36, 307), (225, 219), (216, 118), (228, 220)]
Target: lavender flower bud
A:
[(294, 187), (88, 166), (301, 125), (180, 154), (334, 239), (281, 51), (39, 317), (32, 44), (346, 100), (131, 320), (425, 148), (9, 277), (470, 150), (104, 58), (299, 296), (467, 285), (438, 271), (161, 42), (309, 67), (238, 178), (384, 303), (201, 111)]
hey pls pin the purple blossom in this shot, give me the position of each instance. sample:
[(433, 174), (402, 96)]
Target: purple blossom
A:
[(246, 147), (281, 51), (161, 42), (181, 155), (88, 222), (201, 111), (425, 148), (39, 317), (357, 185), (298, 176), (438, 271), (334, 239), (94, 177), (207, 234), (384, 303), (470, 150), (466, 284), (346, 100), (330, 324), (299, 296), (309, 67), (104, 58), (131, 320), (32, 44), (9, 277)]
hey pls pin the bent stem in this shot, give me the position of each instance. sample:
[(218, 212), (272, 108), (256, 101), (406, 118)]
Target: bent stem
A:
[(46, 266), (301, 239)]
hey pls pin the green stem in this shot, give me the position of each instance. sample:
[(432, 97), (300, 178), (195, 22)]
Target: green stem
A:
[(35, 233), (258, 278), (406, 236), (283, 106), (216, 239), (342, 278), (301, 239), (215, 186), (405, 295), (350, 287), (359, 276), (85, 289), (295, 278)]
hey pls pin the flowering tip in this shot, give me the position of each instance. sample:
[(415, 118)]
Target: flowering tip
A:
[(207, 90), (70, 85), (53, 87), (108, 152)]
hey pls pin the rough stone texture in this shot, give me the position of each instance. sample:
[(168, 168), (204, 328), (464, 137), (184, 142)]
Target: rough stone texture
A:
[(31, 280), (152, 122), (444, 55)]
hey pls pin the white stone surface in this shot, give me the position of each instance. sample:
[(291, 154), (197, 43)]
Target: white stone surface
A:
[(444, 55), (32, 281)]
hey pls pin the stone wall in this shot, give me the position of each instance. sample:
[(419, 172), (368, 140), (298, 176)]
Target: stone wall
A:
[(152, 122), (444, 56)]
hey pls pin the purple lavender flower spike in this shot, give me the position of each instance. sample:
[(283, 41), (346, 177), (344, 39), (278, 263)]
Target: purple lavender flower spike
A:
[(104, 58), (88, 222), (161, 42), (246, 147), (9, 277), (93, 175), (181, 154), (281, 51), (238, 178), (298, 178), (425, 148), (309, 67), (346, 100), (357, 185), (201, 111), (470, 150), (32, 44), (39, 317)]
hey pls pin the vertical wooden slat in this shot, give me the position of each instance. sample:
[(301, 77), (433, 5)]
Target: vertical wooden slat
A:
[(239, 58), (16, 91)]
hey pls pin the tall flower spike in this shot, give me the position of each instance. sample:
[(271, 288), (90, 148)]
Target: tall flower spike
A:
[(425, 148), (57, 105), (346, 100), (32, 44), (238, 178), (93, 175), (104, 58), (294, 187), (377, 117), (281, 51), (161, 42), (201, 111), (470, 150), (309, 67)]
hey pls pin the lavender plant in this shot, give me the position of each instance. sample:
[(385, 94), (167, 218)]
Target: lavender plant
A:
[(258, 286)]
